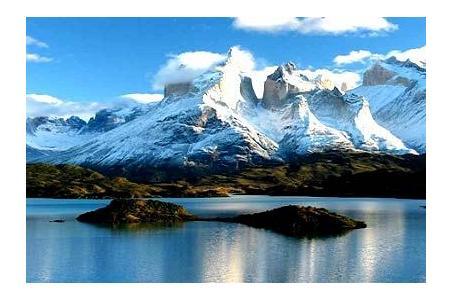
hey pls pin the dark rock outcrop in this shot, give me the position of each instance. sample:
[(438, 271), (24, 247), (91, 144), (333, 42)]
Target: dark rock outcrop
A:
[(377, 75), (177, 88), (276, 88), (298, 221), (290, 220), (130, 211), (247, 90), (108, 119)]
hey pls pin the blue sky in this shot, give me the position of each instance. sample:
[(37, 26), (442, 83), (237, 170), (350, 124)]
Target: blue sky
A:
[(99, 59)]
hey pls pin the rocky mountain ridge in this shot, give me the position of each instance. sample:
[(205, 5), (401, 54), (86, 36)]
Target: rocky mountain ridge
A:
[(216, 121)]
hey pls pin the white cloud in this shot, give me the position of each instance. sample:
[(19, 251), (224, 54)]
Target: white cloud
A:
[(143, 97), (185, 67), (44, 99), (35, 42), (415, 55), (36, 58), (47, 105), (266, 24), (355, 56), (327, 25), (243, 59), (351, 79)]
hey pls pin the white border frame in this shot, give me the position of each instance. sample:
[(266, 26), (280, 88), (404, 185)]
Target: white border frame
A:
[(439, 108)]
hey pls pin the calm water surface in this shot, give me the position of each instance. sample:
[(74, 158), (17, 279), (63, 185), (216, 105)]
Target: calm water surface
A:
[(391, 249)]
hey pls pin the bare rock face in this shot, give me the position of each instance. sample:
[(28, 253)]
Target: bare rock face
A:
[(247, 90), (377, 75), (344, 87), (276, 88), (177, 89), (403, 81)]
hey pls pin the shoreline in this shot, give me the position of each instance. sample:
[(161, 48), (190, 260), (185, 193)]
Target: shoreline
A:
[(232, 195)]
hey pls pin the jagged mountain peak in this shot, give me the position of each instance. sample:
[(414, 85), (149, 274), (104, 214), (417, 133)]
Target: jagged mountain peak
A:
[(288, 67), (49, 123), (285, 82), (287, 72), (216, 121), (394, 72), (377, 75), (408, 63)]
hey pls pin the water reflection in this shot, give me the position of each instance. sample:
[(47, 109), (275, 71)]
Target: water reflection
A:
[(391, 249)]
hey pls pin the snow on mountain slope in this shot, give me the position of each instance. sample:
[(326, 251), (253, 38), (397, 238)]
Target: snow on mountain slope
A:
[(57, 134), (351, 114), (197, 127), (36, 154), (217, 121), (406, 117), (327, 110), (396, 92), (54, 134), (286, 81), (108, 119), (306, 134), (379, 95)]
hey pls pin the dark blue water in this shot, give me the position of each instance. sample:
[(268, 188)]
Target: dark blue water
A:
[(391, 249)]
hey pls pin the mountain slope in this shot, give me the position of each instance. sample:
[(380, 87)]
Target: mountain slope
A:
[(198, 127), (306, 134), (54, 134), (346, 119), (317, 174), (351, 114), (216, 122), (57, 134), (397, 94)]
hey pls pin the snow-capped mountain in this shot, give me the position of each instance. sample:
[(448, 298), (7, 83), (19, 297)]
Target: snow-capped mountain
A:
[(193, 126), (325, 119), (396, 92), (54, 134), (217, 121), (58, 134), (304, 133)]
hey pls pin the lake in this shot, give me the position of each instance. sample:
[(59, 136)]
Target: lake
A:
[(391, 249)]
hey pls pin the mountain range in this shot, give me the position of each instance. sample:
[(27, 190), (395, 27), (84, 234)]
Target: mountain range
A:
[(217, 122)]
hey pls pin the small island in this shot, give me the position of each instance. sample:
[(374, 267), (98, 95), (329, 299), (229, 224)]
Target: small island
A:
[(292, 220), (295, 220), (131, 211)]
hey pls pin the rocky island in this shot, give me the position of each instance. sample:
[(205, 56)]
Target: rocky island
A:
[(292, 220), (295, 220), (129, 211)]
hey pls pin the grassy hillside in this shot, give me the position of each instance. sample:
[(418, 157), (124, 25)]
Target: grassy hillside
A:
[(335, 175), (354, 174), (71, 181)]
